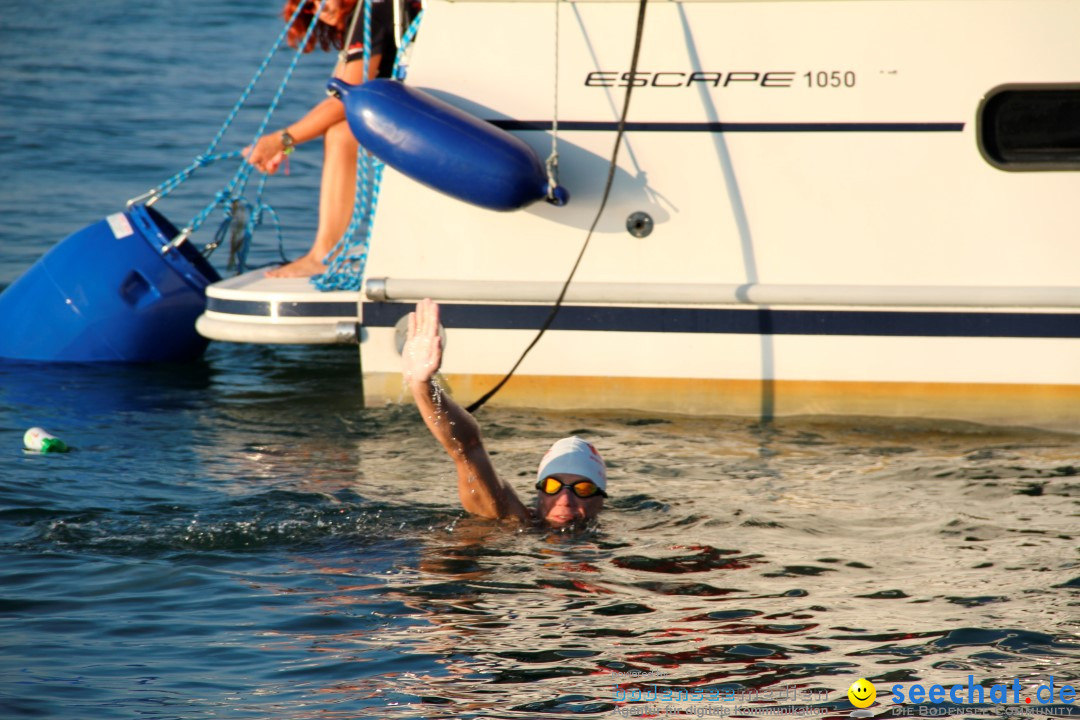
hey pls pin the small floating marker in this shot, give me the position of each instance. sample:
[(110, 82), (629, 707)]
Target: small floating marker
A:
[(41, 441)]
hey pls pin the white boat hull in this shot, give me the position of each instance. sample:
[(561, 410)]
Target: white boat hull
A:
[(740, 372), (829, 232)]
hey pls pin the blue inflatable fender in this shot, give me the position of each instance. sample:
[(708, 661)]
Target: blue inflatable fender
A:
[(444, 147)]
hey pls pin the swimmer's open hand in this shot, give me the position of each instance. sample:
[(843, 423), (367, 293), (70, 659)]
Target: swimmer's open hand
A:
[(422, 354)]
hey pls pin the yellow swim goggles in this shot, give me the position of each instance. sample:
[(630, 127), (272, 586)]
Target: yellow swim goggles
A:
[(581, 488)]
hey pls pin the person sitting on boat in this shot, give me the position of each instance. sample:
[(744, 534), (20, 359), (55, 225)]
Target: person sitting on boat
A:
[(327, 118), (571, 480)]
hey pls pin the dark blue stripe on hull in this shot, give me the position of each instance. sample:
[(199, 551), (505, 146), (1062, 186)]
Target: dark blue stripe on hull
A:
[(881, 323), (731, 127), (261, 308)]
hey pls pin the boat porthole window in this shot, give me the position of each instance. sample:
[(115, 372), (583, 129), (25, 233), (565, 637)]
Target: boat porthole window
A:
[(1031, 127)]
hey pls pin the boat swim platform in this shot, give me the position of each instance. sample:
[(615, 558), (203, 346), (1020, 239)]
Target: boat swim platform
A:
[(253, 308)]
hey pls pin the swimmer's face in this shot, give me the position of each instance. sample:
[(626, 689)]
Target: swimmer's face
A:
[(565, 508)]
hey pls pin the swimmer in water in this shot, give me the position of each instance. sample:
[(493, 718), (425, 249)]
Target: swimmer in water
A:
[(570, 482)]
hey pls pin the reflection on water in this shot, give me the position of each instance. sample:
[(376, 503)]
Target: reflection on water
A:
[(802, 555), (254, 544)]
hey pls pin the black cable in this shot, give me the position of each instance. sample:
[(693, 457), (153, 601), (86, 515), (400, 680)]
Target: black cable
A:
[(603, 202)]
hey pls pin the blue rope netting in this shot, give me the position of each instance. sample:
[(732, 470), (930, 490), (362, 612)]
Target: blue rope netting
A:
[(346, 262), (241, 215)]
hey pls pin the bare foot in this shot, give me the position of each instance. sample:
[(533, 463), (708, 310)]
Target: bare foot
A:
[(304, 267)]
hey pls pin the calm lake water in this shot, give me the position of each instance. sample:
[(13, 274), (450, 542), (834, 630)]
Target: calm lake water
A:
[(239, 538)]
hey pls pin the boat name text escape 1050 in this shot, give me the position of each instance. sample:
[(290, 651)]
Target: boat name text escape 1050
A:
[(767, 79)]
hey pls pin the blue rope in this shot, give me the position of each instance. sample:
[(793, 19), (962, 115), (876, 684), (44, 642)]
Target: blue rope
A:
[(246, 167), (231, 198), (367, 38), (236, 187), (399, 70), (347, 261), (257, 218), (209, 157)]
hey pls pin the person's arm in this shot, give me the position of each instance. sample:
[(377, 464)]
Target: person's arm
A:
[(268, 154), (480, 489)]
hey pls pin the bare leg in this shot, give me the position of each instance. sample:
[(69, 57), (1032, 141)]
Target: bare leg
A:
[(336, 197)]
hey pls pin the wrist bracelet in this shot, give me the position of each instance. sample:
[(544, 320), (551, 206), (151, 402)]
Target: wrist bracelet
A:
[(288, 143)]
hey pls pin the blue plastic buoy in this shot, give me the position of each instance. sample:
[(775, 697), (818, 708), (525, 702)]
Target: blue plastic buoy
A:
[(444, 147), (109, 293)]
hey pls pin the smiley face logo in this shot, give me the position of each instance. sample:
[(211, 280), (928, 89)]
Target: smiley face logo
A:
[(862, 693)]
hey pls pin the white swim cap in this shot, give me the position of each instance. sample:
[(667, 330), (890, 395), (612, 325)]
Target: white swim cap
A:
[(573, 455)]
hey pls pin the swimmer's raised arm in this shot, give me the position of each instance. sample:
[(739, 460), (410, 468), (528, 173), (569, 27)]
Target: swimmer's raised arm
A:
[(481, 490)]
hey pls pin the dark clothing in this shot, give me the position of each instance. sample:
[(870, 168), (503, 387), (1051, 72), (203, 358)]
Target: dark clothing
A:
[(382, 34)]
